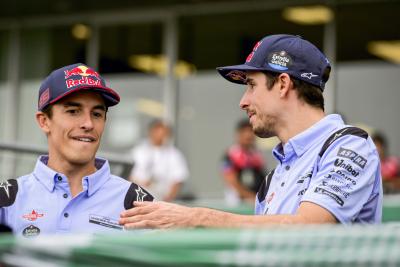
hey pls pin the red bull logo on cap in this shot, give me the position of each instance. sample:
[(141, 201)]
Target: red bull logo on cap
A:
[(88, 77), (82, 71)]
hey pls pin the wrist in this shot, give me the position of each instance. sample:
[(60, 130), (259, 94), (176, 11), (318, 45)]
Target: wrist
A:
[(196, 217)]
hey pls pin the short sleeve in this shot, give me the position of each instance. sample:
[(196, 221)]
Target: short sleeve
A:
[(347, 179)]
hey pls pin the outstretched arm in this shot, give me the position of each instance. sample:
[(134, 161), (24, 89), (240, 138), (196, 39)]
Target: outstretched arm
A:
[(169, 215)]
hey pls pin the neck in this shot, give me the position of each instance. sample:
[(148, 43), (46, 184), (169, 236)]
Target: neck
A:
[(297, 120), (73, 171)]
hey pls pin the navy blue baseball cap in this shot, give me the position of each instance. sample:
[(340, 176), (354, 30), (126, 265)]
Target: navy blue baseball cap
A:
[(71, 79), (283, 53)]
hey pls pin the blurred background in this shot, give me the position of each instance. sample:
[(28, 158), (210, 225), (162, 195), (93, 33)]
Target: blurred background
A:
[(161, 57)]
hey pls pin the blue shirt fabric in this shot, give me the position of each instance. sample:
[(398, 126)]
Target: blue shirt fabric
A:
[(43, 203), (346, 180)]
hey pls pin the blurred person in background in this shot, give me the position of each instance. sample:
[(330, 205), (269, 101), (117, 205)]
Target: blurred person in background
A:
[(328, 172), (390, 165), (243, 166), (70, 190), (158, 165)]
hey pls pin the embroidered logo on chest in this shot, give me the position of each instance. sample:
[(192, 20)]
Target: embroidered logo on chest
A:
[(33, 215)]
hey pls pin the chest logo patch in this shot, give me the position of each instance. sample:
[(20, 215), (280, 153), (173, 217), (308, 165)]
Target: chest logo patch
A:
[(31, 231), (33, 216), (104, 221)]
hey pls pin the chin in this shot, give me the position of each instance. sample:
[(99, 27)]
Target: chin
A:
[(263, 133), (81, 159)]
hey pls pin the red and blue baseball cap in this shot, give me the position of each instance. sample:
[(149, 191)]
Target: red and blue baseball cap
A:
[(283, 53), (73, 78)]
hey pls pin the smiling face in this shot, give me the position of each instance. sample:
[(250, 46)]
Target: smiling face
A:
[(261, 104), (74, 129)]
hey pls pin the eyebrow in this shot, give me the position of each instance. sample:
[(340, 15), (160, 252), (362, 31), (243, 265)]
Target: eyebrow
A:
[(79, 105)]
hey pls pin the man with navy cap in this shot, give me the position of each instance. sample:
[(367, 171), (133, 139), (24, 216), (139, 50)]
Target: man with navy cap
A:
[(70, 190), (327, 172)]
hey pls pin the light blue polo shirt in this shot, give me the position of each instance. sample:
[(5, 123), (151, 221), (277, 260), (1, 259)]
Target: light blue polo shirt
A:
[(346, 180), (41, 202)]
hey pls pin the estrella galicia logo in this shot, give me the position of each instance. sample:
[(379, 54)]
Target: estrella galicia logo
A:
[(353, 156), (31, 231), (279, 60)]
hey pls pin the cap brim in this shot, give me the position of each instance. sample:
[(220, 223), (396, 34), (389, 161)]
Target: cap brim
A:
[(236, 73), (111, 98)]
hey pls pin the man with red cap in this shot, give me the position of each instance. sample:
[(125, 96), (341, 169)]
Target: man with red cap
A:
[(70, 189)]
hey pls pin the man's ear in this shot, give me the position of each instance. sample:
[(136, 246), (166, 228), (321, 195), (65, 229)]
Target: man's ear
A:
[(43, 120), (285, 84)]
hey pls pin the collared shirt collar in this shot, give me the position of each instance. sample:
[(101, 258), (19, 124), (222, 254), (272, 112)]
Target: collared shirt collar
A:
[(91, 183), (300, 143)]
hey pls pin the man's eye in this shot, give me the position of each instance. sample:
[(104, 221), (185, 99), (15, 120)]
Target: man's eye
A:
[(72, 111), (98, 114)]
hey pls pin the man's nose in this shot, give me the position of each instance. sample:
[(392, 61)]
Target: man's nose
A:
[(244, 103), (87, 121)]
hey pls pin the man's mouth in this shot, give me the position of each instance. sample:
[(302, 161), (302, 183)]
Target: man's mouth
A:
[(250, 114), (87, 139)]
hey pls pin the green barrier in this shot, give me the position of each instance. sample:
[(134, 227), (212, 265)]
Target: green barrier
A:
[(274, 246), (318, 245)]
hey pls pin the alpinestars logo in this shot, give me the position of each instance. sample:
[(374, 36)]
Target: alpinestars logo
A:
[(308, 75), (140, 194), (6, 186), (337, 135)]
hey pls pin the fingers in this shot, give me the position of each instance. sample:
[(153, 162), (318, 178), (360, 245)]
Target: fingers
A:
[(139, 208), (134, 222), (142, 203), (139, 216)]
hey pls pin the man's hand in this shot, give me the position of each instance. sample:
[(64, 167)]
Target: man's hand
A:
[(157, 214)]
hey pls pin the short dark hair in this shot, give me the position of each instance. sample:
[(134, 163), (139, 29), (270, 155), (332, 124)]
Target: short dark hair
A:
[(311, 94), (48, 111)]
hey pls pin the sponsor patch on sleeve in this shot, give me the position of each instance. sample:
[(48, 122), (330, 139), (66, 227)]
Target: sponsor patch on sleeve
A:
[(335, 197), (353, 156)]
